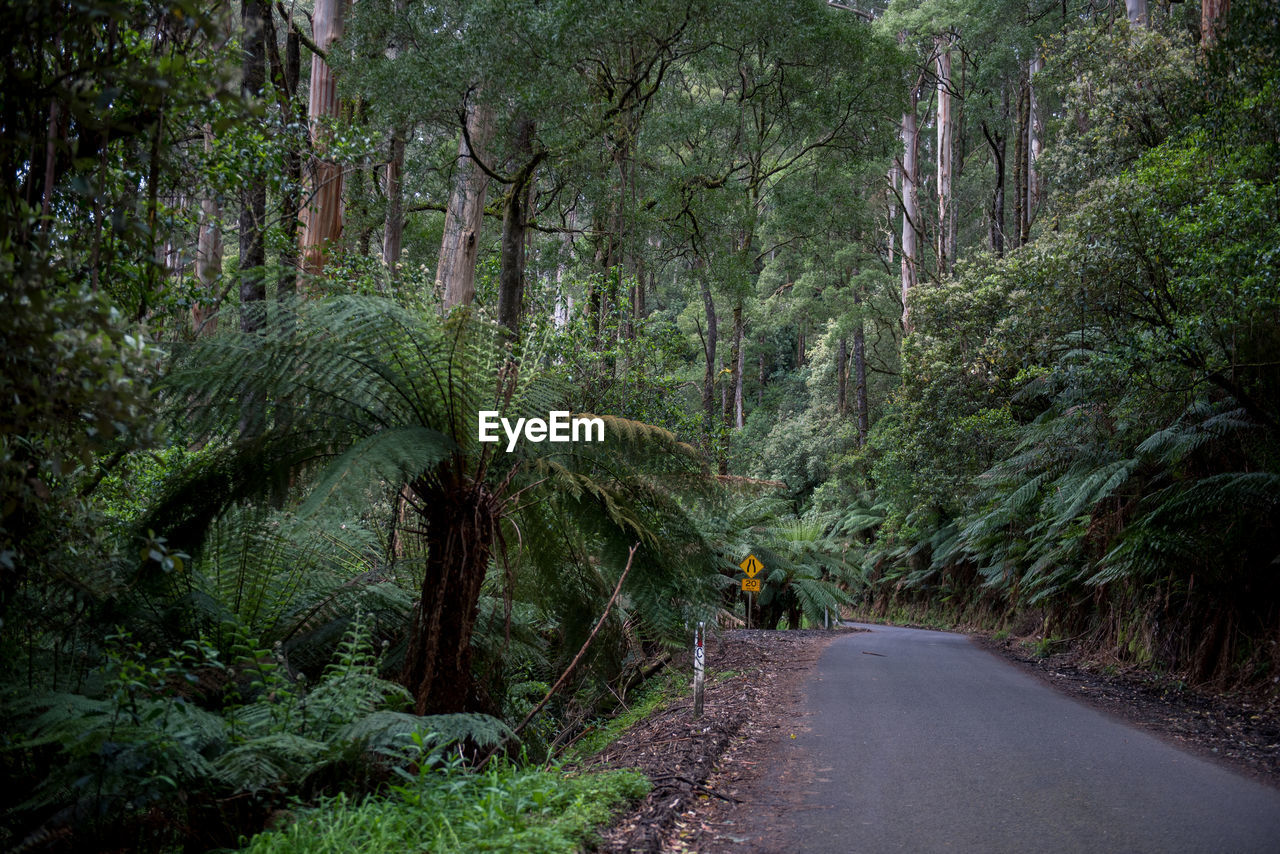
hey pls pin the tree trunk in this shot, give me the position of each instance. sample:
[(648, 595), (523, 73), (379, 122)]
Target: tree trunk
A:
[(945, 128), (998, 145), (1020, 169), (460, 247), (1034, 132), (737, 357), (323, 214), (1213, 14), (392, 183), (910, 204), (460, 527), (709, 352), (800, 355), (1137, 12), (514, 205), (291, 195), (392, 179), (204, 318), (253, 203), (895, 172), (761, 377)]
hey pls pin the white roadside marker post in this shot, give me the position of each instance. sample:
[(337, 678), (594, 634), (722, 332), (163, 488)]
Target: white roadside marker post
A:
[(699, 659)]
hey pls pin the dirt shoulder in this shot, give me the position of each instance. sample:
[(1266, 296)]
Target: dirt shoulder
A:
[(1240, 732), (702, 769)]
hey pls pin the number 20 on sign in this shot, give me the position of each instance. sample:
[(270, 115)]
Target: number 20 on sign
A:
[(751, 585)]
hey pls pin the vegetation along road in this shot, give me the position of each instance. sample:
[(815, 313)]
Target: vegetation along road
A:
[(920, 741)]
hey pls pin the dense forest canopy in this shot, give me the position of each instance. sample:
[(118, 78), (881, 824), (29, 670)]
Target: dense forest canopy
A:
[(949, 310)]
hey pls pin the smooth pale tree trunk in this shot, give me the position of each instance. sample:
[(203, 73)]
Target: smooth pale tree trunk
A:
[(710, 341), (738, 352), (944, 150), (910, 204), (1136, 11), (1213, 14), (322, 215), (1020, 229), (463, 219), (204, 318), (253, 203), (1035, 130)]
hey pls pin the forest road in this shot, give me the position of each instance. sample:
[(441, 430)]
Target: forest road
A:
[(920, 741)]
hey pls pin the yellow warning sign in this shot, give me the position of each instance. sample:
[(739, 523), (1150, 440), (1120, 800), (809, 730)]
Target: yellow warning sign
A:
[(751, 585), (751, 566)]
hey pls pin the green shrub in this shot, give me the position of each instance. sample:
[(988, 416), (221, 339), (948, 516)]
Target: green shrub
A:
[(446, 808)]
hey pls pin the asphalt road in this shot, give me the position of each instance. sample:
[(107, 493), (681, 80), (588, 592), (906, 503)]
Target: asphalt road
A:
[(933, 744)]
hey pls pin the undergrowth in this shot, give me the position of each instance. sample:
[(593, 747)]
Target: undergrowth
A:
[(655, 696), (446, 808)]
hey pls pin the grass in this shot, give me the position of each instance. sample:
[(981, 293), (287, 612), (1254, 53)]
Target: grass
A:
[(502, 809)]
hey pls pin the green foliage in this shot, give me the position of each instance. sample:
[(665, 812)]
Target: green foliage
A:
[(444, 808), (153, 732), (1093, 419)]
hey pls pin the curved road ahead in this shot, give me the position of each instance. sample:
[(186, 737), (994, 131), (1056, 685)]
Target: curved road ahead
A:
[(933, 744)]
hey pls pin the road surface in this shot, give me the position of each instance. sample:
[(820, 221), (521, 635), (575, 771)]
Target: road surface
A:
[(920, 741)]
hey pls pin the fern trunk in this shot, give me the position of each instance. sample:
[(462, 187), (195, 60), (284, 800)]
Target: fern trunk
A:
[(459, 528)]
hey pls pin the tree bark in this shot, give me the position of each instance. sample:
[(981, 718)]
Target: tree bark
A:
[(392, 183), (1137, 12), (1213, 14), (512, 251), (895, 171), (1034, 132), (738, 352), (946, 130), (253, 202), (204, 318), (291, 195), (459, 524), (393, 187), (1020, 169), (761, 377), (910, 204), (463, 219), (322, 216), (998, 145), (709, 352)]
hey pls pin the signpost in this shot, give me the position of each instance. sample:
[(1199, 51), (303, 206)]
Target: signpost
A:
[(751, 565), (699, 662)]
